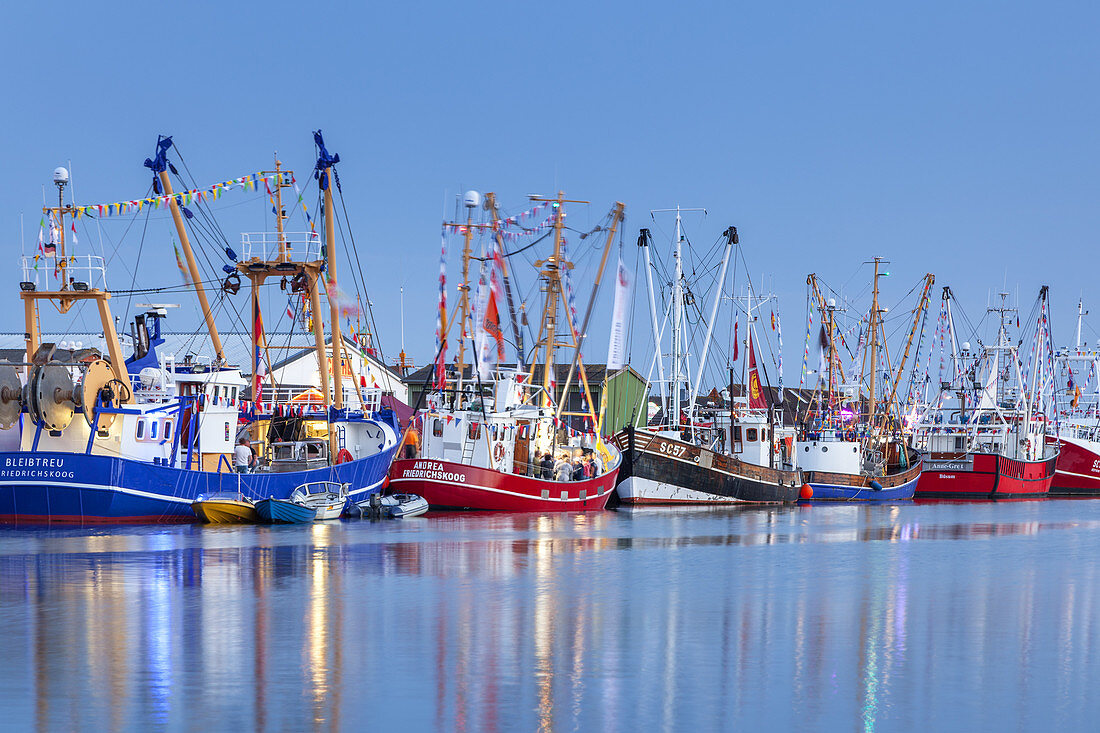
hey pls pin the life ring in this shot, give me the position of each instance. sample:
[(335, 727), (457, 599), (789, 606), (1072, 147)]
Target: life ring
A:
[(498, 452), (343, 456)]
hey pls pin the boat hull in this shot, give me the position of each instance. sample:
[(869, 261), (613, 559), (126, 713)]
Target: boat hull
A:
[(92, 489), (225, 511), (284, 511), (1077, 472), (660, 470), (446, 485), (850, 487), (985, 476)]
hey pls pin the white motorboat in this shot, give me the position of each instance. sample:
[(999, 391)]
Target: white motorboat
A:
[(327, 497)]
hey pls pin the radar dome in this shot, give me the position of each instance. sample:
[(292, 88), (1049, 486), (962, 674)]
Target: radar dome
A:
[(471, 199)]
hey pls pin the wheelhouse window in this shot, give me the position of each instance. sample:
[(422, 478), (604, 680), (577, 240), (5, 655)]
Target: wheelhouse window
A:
[(140, 429), (750, 435), (437, 428), (474, 432), (167, 429), (153, 430)]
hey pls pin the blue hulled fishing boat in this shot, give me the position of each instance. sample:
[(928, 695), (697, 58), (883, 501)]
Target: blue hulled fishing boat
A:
[(91, 437)]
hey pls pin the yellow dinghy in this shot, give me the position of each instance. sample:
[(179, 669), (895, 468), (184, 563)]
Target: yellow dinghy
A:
[(226, 508)]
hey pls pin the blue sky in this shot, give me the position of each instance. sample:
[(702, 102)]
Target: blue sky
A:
[(951, 137)]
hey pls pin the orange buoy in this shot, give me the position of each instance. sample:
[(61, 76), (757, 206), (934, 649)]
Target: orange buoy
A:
[(807, 491)]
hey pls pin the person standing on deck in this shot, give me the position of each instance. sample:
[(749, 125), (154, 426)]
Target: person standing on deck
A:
[(411, 444), (563, 469), (243, 458)]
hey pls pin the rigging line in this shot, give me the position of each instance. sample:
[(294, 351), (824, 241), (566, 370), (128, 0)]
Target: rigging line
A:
[(179, 154), (518, 251), (376, 340), (129, 225), (137, 262)]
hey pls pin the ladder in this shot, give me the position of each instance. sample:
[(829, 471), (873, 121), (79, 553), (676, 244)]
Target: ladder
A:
[(468, 445)]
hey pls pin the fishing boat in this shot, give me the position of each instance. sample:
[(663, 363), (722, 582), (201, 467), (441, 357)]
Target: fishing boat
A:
[(986, 437), (737, 455), (851, 445), (96, 437), (1077, 418), (225, 508), (285, 511), (480, 432)]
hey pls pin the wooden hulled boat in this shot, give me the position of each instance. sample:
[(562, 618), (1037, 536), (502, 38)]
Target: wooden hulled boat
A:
[(659, 469)]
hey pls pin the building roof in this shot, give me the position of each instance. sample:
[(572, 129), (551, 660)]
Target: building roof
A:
[(283, 346)]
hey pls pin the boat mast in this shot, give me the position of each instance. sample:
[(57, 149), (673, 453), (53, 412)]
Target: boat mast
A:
[(1080, 313), (551, 274), (491, 203), (464, 290), (192, 266), (578, 337), (677, 325), (333, 299), (929, 280), (872, 345), (731, 239), (66, 297), (643, 242)]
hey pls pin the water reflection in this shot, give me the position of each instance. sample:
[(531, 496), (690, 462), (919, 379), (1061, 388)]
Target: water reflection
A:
[(786, 616)]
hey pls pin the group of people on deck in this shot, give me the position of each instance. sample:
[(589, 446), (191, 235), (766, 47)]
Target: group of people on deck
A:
[(581, 467)]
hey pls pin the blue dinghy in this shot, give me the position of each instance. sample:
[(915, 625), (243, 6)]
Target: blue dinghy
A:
[(284, 511)]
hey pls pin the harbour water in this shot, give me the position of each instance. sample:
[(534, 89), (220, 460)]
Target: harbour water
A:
[(889, 617)]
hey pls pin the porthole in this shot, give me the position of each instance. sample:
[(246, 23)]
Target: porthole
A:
[(824, 449)]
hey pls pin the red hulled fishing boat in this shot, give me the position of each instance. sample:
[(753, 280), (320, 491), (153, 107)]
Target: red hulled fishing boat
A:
[(988, 438), (486, 436)]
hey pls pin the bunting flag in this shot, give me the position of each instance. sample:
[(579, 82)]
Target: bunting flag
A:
[(289, 305), (72, 226), (806, 349), (779, 338), (41, 240), (489, 334), (182, 198), (441, 319), (756, 392), (736, 341), (185, 274), (258, 367), (51, 245), (822, 353)]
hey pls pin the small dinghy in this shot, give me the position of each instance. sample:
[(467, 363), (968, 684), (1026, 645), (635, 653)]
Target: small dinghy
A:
[(326, 497), (398, 506), (284, 511), (391, 506), (225, 508)]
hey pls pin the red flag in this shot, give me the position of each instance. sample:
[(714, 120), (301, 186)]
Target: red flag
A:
[(258, 367), (756, 392), (736, 341)]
